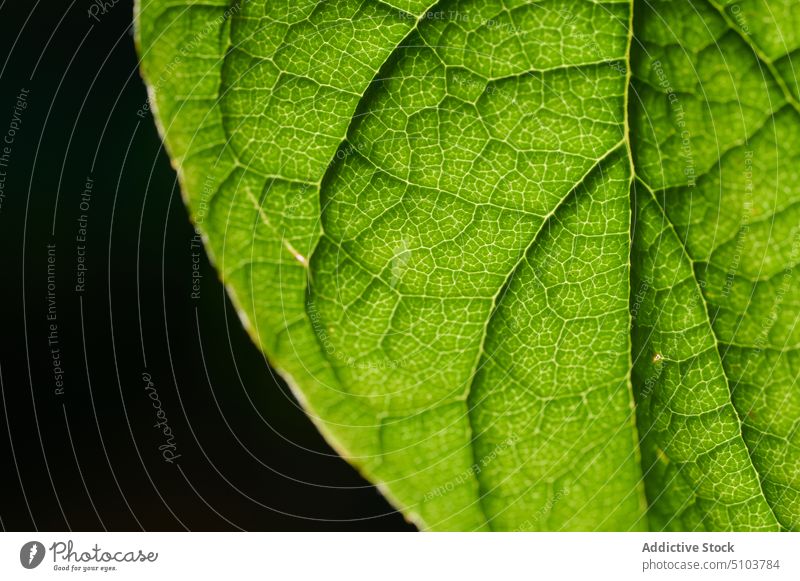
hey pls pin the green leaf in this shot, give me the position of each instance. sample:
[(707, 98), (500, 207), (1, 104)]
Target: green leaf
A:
[(527, 265)]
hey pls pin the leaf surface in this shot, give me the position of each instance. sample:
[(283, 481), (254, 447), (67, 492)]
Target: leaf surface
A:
[(486, 244)]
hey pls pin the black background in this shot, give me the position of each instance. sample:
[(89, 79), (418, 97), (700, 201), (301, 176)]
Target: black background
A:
[(88, 459)]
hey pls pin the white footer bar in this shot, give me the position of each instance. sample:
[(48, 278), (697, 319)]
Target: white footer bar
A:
[(395, 556)]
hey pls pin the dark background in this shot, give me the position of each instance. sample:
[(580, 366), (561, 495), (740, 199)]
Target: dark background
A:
[(88, 458)]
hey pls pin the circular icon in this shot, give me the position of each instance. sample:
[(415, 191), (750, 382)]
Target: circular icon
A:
[(31, 554)]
